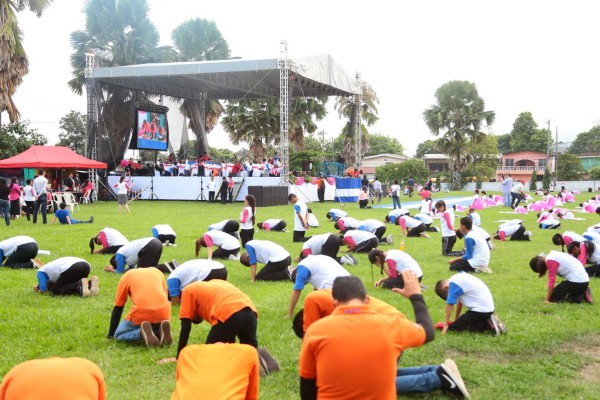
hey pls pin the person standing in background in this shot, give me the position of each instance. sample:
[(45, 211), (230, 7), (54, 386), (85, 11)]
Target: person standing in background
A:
[(123, 188), (300, 218), (395, 193), (69, 183), (321, 189), (230, 184), (411, 186), (29, 197), (4, 202), (14, 197), (212, 186), (223, 190), (506, 188), (247, 219), (41, 196), (377, 192)]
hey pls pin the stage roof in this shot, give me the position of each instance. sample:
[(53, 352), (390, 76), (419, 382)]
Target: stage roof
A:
[(232, 79)]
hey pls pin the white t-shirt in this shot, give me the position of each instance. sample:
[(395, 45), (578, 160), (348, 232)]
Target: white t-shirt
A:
[(218, 226), (194, 271), (9, 245), (481, 250), (425, 206), (446, 231), (594, 237), (395, 190), (476, 296), (313, 222), (266, 251), (114, 237), (39, 185), (223, 240), (323, 271), (164, 229), (248, 223), (316, 242), (573, 236), (359, 236), (371, 225), (509, 230), (424, 218), (569, 267), (409, 222), (337, 213), (481, 231), (271, 222), (211, 187), (55, 268), (476, 218), (28, 193), (518, 188), (350, 222), (403, 261), (300, 208), (122, 187), (131, 250), (398, 212)]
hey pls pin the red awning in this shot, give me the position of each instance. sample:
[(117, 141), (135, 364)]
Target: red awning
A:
[(50, 157)]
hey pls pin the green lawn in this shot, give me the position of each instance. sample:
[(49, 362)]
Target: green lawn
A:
[(542, 356)]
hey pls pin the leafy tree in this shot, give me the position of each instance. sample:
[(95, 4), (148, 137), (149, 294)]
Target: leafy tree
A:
[(380, 144), (14, 64), (546, 179), (426, 147), (504, 143), (569, 167), (368, 113), (533, 181), (457, 118), (72, 133), (595, 173), (221, 154), (586, 142), (525, 135), (484, 158), (403, 170), (17, 137)]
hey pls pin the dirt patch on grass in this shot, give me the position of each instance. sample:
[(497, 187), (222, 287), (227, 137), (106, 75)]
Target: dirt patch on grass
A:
[(591, 372), (589, 347)]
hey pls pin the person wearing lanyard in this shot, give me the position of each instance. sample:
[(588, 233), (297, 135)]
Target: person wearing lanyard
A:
[(41, 196)]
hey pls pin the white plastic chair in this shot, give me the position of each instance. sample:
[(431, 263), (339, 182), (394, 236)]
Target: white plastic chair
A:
[(85, 198), (70, 201)]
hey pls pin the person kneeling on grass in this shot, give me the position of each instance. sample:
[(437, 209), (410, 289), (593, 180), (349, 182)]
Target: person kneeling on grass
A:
[(110, 239), (513, 229), (575, 286), (481, 232), (66, 276), (471, 292), (54, 378), (335, 213), (345, 224), (17, 252), (165, 234), (393, 262), (477, 254), (64, 217), (140, 253), (193, 271), (411, 227), (228, 247), (275, 225), (359, 241), (377, 228), (277, 260), (149, 318), (546, 220), (327, 244), (587, 253), (229, 226)]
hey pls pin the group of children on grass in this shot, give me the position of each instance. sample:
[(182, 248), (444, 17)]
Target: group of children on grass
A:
[(331, 347)]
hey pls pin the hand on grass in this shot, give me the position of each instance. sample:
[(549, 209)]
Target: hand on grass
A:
[(444, 329), (109, 268), (167, 360)]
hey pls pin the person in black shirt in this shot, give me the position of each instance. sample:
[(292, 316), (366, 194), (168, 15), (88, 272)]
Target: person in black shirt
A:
[(4, 203)]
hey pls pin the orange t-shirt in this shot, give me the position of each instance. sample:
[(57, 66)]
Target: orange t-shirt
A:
[(353, 353), (213, 301), (149, 297), (319, 304), (217, 371), (54, 378)]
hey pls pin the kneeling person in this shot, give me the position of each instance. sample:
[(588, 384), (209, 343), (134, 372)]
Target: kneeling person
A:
[(477, 254), (18, 251), (276, 260), (140, 253), (67, 276), (276, 225), (193, 271), (393, 262), (165, 234)]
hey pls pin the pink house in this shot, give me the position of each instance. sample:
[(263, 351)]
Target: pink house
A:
[(522, 164)]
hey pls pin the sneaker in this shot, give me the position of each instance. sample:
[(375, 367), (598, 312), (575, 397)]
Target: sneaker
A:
[(451, 379), (496, 326), (165, 333), (483, 270), (148, 335), (37, 263), (290, 271), (94, 286), (390, 239), (91, 219), (284, 230), (354, 260), (262, 367), (165, 243), (234, 257), (528, 233), (268, 361), (85, 290), (345, 260), (588, 295)]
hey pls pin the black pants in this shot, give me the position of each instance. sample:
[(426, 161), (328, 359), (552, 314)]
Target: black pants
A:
[(516, 199), (331, 247), (569, 292), (69, 282), (430, 228), (246, 235), (593, 271), (211, 196), (462, 265), (519, 234), (278, 226), (164, 238), (366, 246), (397, 282), (223, 253), (416, 231), (230, 191), (321, 195), (379, 232), (231, 227), (472, 321), (299, 236), (275, 271), (29, 205), (149, 255), (22, 256), (110, 250), (41, 202), (447, 245), (363, 203), (241, 324), (223, 196), (219, 273)]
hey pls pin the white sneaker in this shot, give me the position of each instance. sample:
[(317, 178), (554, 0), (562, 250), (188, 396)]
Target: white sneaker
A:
[(483, 270), (390, 239), (234, 257), (528, 233)]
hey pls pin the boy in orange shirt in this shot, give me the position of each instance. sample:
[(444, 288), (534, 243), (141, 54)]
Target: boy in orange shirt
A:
[(217, 371), (150, 312), (54, 378)]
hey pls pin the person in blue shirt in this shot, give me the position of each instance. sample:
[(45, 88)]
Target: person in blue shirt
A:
[(64, 217)]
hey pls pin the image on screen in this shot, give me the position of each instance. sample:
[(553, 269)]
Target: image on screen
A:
[(152, 130)]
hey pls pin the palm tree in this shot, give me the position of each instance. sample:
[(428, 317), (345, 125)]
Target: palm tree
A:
[(303, 112), (13, 59), (123, 29), (199, 40), (457, 118), (368, 113)]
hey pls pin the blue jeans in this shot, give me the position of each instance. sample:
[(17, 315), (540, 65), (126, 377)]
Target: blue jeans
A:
[(507, 199), (41, 204), (418, 379), (396, 200), (128, 332), (4, 210)]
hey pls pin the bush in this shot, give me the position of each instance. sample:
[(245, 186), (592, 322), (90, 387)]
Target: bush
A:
[(402, 171)]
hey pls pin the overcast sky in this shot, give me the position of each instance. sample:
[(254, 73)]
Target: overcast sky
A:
[(537, 56)]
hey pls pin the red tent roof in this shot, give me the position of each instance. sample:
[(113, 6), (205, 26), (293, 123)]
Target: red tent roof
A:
[(50, 157)]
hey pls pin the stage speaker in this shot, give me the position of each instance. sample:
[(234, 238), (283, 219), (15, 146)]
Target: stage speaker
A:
[(257, 192)]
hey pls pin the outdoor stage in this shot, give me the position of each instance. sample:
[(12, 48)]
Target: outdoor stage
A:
[(191, 187)]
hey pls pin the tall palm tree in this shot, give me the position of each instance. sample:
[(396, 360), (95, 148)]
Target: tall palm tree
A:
[(199, 40), (13, 59), (368, 112), (303, 113), (124, 29), (458, 118)]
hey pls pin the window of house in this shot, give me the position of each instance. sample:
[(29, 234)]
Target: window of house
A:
[(542, 163), (509, 162)]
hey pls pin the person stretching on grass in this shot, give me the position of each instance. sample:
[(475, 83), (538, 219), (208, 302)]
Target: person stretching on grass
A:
[(359, 241), (566, 239), (193, 271), (300, 218), (480, 231), (275, 225), (357, 335), (411, 227), (394, 214), (64, 217), (513, 229), (587, 253), (276, 259), (469, 291), (18, 251), (149, 318), (110, 241), (165, 234), (327, 244), (393, 262), (575, 286), (320, 271), (229, 226), (66, 276), (227, 246), (140, 253), (477, 254), (377, 228), (345, 224), (335, 213)]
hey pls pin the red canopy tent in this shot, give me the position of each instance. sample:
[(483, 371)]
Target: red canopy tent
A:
[(50, 157)]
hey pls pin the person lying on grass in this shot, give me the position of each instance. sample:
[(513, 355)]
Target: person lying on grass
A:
[(64, 217)]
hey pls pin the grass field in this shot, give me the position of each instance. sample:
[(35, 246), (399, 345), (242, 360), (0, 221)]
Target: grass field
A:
[(550, 352)]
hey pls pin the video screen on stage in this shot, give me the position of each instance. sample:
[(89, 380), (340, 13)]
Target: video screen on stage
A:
[(151, 131)]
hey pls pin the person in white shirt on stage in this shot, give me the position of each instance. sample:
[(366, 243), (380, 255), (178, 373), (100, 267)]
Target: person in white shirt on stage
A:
[(212, 188), (276, 225), (165, 234), (140, 253), (276, 260), (193, 271), (227, 246), (110, 241), (18, 251)]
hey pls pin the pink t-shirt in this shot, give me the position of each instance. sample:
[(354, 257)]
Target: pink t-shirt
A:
[(15, 192)]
